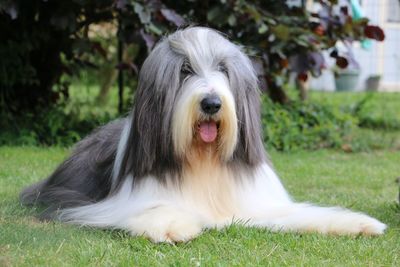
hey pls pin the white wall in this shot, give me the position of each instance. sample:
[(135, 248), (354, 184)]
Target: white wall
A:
[(382, 58)]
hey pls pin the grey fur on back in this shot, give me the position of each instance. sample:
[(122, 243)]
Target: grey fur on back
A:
[(83, 178)]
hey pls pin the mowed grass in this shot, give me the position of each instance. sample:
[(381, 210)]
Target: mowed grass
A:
[(362, 181)]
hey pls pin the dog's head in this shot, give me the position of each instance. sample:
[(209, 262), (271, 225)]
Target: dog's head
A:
[(195, 88)]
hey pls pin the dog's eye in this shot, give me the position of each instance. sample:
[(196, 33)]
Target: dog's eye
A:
[(222, 68), (186, 68)]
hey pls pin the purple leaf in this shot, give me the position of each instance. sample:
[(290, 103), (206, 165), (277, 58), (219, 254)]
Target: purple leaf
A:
[(316, 63), (374, 32), (172, 16), (149, 39), (121, 4), (11, 10), (302, 63)]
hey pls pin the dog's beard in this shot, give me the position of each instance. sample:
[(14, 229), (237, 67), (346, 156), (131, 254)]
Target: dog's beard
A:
[(193, 129)]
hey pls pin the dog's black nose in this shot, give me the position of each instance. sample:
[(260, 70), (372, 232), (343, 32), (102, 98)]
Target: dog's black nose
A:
[(211, 104)]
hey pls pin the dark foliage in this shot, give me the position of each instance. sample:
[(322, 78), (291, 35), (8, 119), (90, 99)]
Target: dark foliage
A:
[(50, 126), (40, 41), (43, 39)]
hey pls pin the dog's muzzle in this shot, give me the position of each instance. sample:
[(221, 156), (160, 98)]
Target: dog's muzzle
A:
[(211, 104), (208, 129)]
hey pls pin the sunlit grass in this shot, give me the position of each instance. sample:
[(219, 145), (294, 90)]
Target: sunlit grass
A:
[(360, 181)]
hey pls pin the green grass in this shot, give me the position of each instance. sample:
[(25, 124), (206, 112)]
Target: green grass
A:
[(360, 181)]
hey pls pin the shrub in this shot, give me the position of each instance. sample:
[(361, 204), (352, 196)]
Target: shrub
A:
[(58, 125), (298, 125), (304, 125), (40, 41), (386, 119)]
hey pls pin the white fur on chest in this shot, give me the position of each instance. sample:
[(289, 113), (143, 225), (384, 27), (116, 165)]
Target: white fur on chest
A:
[(217, 195)]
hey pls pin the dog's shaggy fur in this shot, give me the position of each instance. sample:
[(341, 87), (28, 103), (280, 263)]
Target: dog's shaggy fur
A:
[(189, 156)]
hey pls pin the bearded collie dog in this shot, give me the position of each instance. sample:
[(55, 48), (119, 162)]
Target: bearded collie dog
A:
[(188, 157)]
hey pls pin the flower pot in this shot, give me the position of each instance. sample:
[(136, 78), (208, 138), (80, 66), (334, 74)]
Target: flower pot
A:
[(372, 83), (346, 80)]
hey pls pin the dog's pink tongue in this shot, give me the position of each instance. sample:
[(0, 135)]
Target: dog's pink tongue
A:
[(208, 131)]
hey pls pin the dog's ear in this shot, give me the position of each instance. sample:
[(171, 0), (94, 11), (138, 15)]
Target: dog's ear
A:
[(149, 148), (244, 85)]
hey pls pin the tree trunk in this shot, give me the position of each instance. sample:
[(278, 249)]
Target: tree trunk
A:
[(277, 94), (110, 75), (302, 87)]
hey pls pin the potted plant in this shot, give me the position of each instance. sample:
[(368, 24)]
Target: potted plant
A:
[(347, 70), (346, 79)]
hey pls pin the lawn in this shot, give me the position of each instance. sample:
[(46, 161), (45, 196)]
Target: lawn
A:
[(360, 181)]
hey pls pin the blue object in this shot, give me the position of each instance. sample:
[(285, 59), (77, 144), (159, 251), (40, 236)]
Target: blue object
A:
[(358, 14)]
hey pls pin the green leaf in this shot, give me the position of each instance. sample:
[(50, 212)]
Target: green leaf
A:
[(282, 32), (232, 20), (213, 13), (263, 28), (153, 28), (143, 13)]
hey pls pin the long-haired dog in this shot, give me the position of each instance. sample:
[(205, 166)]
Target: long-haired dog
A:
[(189, 157)]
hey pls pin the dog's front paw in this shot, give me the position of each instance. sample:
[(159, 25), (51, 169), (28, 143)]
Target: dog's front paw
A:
[(165, 224), (357, 223), (369, 226), (175, 231)]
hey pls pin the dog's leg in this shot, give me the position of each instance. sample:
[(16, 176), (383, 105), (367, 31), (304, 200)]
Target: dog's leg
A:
[(165, 224), (266, 203), (307, 218)]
